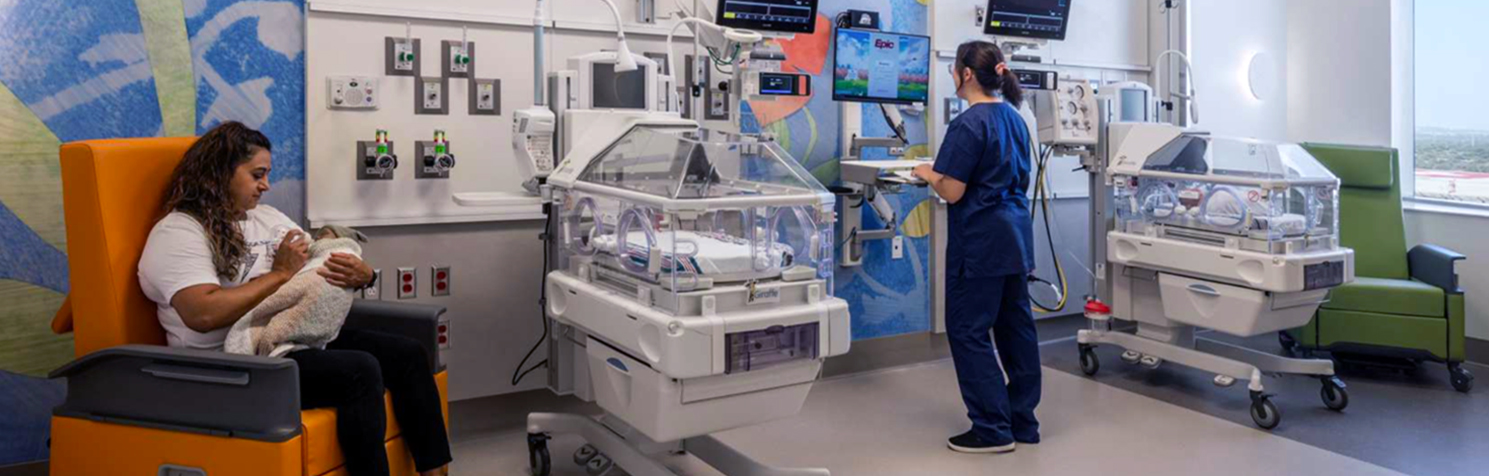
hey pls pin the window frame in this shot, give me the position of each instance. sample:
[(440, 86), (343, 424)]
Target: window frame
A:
[(1404, 112)]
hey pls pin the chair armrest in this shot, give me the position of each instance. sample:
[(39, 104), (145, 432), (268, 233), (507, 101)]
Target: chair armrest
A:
[(1433, 265), (417, 321), (186, 390)]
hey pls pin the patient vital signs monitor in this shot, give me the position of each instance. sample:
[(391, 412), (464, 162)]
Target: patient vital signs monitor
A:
[(873, 66), (1045, 19), (788, 16)]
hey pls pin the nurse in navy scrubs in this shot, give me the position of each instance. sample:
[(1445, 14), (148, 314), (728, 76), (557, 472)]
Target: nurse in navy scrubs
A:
[(983, 171)]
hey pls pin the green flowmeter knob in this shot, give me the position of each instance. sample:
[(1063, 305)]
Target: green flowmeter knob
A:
[(406, 56)]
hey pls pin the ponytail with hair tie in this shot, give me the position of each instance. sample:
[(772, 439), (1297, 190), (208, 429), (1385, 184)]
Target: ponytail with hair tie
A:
[(990, 69)]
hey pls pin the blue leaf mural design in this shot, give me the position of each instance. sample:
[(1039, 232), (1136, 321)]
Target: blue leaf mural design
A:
[(81, 67), (27, 258)]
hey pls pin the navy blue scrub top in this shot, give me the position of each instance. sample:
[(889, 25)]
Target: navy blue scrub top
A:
[(991, 235)]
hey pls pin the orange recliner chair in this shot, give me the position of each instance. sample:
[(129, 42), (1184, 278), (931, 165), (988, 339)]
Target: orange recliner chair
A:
[(135, 406)]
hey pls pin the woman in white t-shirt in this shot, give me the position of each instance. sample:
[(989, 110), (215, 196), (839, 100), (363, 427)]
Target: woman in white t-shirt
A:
[(218, 253)]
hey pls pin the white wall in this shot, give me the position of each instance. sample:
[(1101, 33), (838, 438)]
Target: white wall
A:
[(1339, 71), (1224, 37), (493, 311), (346, 38)]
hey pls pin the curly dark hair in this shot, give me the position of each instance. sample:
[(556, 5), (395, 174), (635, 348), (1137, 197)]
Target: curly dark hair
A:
[(200, 188)]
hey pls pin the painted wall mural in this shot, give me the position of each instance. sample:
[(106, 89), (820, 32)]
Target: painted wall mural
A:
[(125, 68), (886, 296)]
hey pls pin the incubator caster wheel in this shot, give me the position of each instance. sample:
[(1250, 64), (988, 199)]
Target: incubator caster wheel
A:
[(1461, 377), (1333, 393), (1263, 412), (584, 454), (1089, 363), (599, 465), (1131, 357), (537, 454)]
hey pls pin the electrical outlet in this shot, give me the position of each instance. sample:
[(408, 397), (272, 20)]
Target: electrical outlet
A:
[(401, 56), (407, 283), (431, 97), (351, 92), (458, 58), (443, 332), (897, 247), (439, 281), (485, 97), (375, 291)]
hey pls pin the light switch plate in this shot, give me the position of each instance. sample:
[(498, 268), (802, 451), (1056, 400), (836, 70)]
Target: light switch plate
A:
[(351, 92), (485, 97), (374, 292), (897, 250), (432, 96), (954, 108), (393, 63)]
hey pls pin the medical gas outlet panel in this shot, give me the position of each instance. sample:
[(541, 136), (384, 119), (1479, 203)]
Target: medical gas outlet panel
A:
[(458, 58), (375, 159), (1067, 115), (435, 158)]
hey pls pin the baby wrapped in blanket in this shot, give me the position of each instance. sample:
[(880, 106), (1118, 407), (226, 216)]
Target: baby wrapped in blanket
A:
[(307, 311)]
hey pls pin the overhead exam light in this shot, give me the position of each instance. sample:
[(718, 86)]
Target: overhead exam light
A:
[(624, 61)]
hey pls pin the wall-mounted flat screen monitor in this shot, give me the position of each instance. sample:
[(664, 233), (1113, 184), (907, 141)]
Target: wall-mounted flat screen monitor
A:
[(1044, 19), (874, 66), (786, 16)]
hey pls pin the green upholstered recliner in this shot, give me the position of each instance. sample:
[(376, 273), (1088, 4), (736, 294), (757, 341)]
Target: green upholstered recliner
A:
[(1403, 305)]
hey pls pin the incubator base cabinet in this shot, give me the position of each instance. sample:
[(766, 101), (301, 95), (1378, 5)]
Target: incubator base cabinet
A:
[(1237, 236), (691, 286)]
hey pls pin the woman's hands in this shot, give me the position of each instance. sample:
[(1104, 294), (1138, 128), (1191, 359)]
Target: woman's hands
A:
[(347, 271), (947, 188), (924, 172), (342, 269), (293, 251)]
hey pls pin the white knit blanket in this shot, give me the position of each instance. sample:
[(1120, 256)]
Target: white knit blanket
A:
[(305, 313)]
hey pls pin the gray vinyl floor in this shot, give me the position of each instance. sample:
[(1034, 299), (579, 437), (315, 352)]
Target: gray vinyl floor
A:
[(1411, 422), (894, 422)]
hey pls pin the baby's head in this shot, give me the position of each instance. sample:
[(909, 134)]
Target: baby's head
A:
[(335, 231)]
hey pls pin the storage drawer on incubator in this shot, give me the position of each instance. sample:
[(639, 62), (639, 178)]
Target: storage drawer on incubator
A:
[(1235, 310), (667, 409), (755, 350)]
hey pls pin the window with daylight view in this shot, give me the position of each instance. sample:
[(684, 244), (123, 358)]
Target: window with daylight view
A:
[(1452, 113)]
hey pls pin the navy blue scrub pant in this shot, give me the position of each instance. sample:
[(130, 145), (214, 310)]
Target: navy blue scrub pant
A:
[(1001, 412)]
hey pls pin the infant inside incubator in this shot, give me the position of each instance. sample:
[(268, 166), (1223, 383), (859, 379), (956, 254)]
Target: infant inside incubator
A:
[(1230, 209), (713, 249)]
